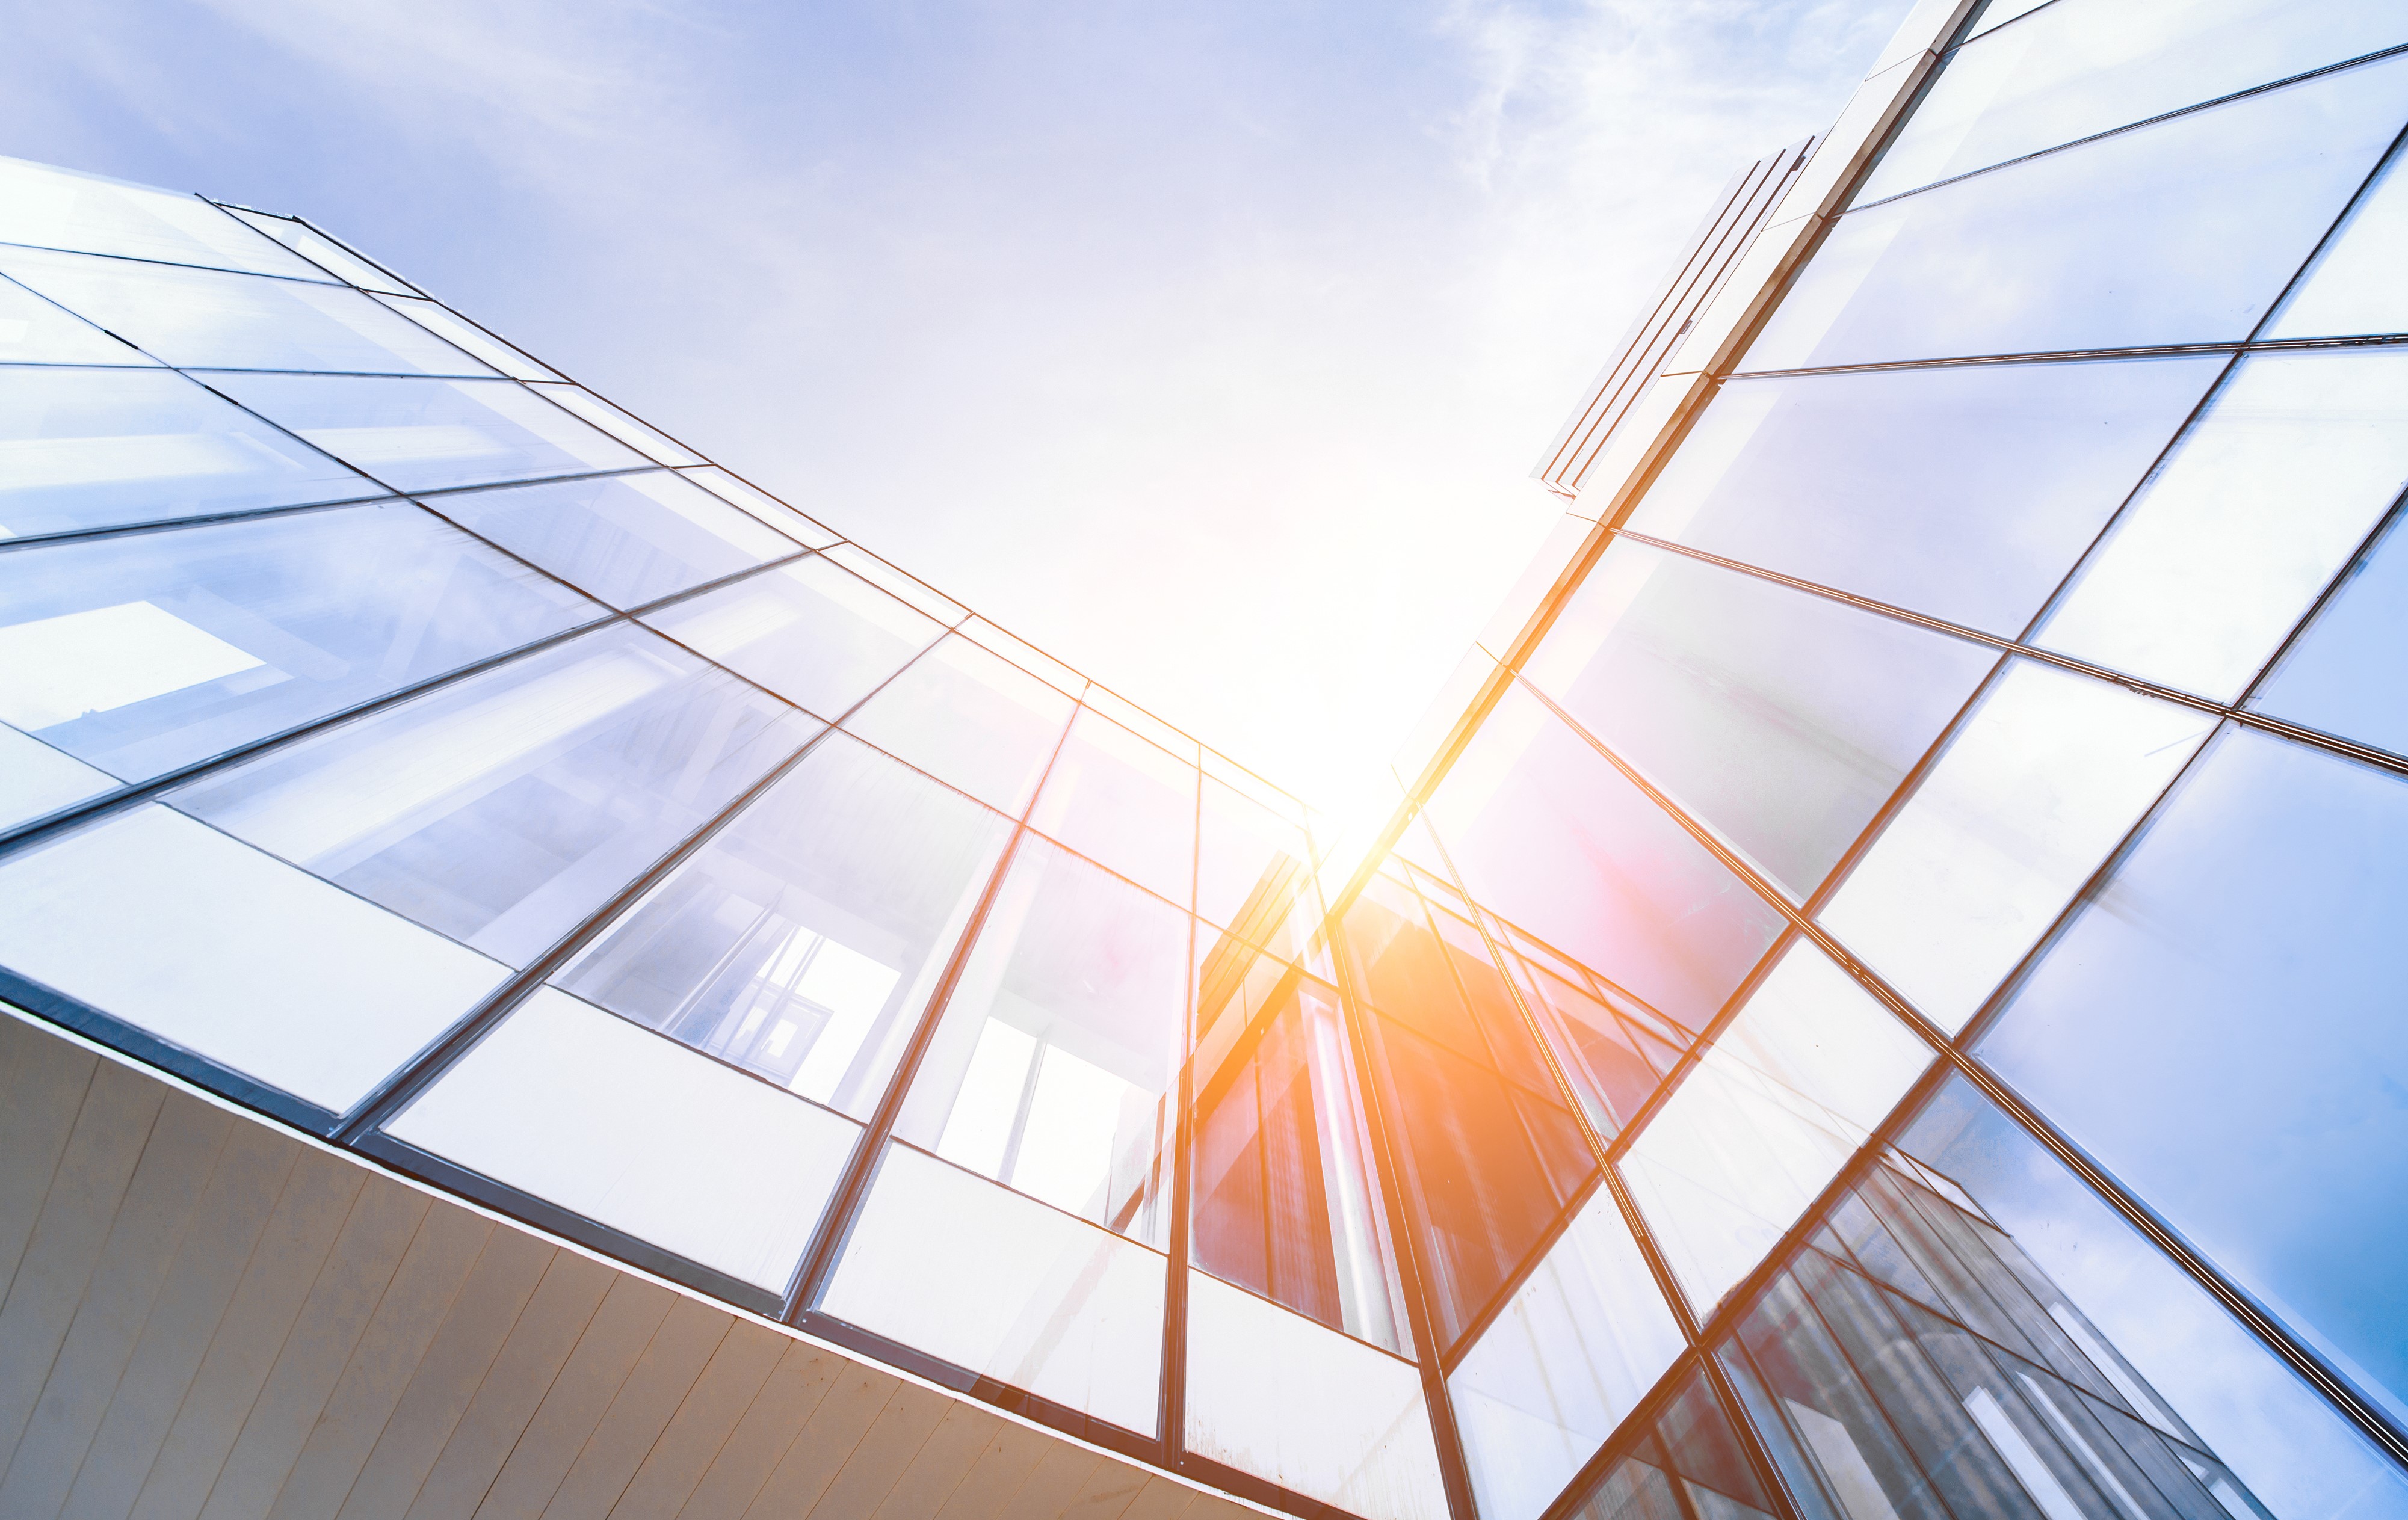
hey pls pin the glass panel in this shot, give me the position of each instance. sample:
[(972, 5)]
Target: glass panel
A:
[(1051, 1069), (147, 652), (36, 780), (2343, 674), (425, 435), (2350, 288), (202, 317), (607, 1121), (770, 510), (466, 336), (1690, 1453), (1782, 720), (1766, 1119), (1123, 802), (2045, 777), (1611, 1047), (1252, 869), (321, 250), (1582, 1340), (1964, 493), (804, 939), (1286, 1200), (60, 208), (1128, 715), (95, 448), (1274, 1394), (1028, 657), (2084, 66), (213, 946), (876, 571), (37, 332), (969, 719), (2090, 248), (618, 425), (624, 539), (505, 808), (2197, 582), (814, 634), (2221, 1030), (1552, 836), (1000, 1285)]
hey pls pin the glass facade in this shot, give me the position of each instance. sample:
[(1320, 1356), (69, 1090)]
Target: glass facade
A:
[(1871, 1003)]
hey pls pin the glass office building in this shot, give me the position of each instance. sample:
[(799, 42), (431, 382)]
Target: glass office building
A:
[(1878, 999)]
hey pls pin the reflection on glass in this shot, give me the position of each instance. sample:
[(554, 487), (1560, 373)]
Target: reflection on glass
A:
[(1125, 802), (2352, 288), (1050, 1070), (321, 250), (151, 651), (1578, 1345), (1965, 494), (206, 318), (618, 425), (876, 571), (620, 1126), (971, 719), (2039, 784), (2093, 247), (1552, 837), (1766, 1119), (1028, 657), (505, 808), (470, 338), (2220, 1027), (2294, 461), (1611, 1047), (1251, 867), (1687, 1464), (426, 434), (35, 780), (97, 447), (60, 208), (2343, 674), (770, 510), (1782, 720), (1287, 1196), (803, 940), (624, 539), (817, 636), (2075, 69), (37, 332)]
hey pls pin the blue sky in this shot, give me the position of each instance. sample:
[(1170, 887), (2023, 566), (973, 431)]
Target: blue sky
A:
[(1207, 346)]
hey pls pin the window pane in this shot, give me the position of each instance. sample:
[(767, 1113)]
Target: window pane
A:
[(624, 539), (1552, 836), (1051, 1069), (2350, 289), (2220, 1028), (1965, 494), (2343, 674), (425, 435), (2197, 582), (1000, 1285), (2039, 785), (95, 448), (2092, 247), (776, 513), (34, 330), (1028, 658), (202, 317), (593, 1114), (213, 946), (1782, 720), (2075, 69), (60, 208), (503, 809), (35, 780), (1125, 802), (1612, 1048), (1691, 1449), (319, 250), (971, 720), (465, 335), (618, 425), (1766, 1119), (876, 571), (804, 939), (144, 653), (1274, 1394), (815, 635), (1251, 866), (1584, 1337)]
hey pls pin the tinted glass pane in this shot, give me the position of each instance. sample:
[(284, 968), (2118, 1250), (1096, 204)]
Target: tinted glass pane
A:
[(1052, 1069), (1781, 718), (505, 808), (969, 719), (2220, 1028), (202, 317), (1121, 801), (1966, 493), (151, 651), (2080, 66), (60, 208), (425, 434), (2093, 247), (1690, 1450), (624, 539), (92, 449), (815, 635), (1554, 838), (2351, 287), (34, 330), (2344, 674), (1611, 1047), (804, 939)]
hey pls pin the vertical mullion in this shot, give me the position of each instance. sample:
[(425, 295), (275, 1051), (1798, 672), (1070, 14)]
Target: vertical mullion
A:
[(1173, 1401)]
